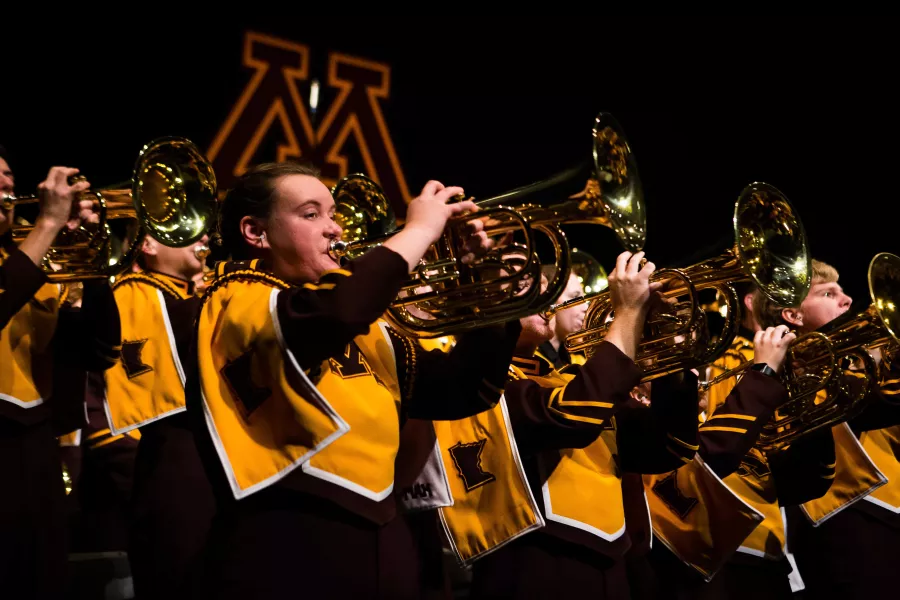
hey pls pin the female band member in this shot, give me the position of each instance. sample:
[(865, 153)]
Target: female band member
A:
[(303, 389)]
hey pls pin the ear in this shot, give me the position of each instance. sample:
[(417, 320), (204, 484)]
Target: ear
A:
[(149, 246), (254, 232), (794, 316), (748, 303)]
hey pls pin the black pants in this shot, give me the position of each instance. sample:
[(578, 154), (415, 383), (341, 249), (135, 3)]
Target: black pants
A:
[(852, 555), (280, 543), (542, 566), (33, 539), (753, 579), (172, 511)]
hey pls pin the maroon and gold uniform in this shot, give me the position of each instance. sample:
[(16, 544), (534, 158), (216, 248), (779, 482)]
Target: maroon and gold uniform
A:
[(160, 483), (572, 436), (839, 539), (304, 390), (743, 551)]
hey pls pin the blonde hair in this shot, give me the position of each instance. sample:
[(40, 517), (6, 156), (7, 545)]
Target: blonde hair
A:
[(768, 313)]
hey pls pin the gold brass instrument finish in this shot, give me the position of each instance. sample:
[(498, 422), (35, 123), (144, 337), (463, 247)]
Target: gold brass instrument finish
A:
[(829, 372), (444, 296), (770, 249), (590, 273), (172, 198)]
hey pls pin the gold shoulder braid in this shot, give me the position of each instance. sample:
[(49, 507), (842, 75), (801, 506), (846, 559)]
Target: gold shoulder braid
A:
[(149, 279), (246, 275), (409, 359)]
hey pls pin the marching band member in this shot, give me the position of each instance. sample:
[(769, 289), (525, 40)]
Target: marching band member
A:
[(40, 343), (563, 323), (742, 551), (151, 497), (839, 540), (303, 390), (558, 424)]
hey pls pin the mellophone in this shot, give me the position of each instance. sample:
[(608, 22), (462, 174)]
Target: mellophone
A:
[(173, 198)]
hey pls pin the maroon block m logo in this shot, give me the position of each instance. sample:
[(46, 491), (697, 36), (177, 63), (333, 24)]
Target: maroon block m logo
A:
[(274, 99)]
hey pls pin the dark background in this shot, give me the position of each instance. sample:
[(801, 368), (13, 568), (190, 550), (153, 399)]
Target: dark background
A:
[(490, 103)]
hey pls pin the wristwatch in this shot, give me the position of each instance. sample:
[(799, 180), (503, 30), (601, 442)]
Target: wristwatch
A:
[(765, 370)]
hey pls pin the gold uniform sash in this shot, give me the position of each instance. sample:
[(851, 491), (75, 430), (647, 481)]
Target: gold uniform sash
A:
[(471, 471), (583, 490), (883, 447), (752, 482), (699, 518), (364, 390), (147, 383), (579, 480), (492, 501), (267, 416), (855, 477), (26, 356)]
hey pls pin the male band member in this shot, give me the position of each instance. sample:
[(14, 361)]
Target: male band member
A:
[(564, 323), (841, 540), (303, 390), (128, 490), (764, 483), (39, 343), (741, 349)]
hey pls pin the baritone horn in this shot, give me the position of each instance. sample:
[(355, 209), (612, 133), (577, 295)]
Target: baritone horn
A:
[(444, 296), (171, 197), (829, 372), (770, 249)]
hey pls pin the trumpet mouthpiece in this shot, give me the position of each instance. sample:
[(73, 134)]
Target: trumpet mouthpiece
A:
[(201, 251), (337, 249)]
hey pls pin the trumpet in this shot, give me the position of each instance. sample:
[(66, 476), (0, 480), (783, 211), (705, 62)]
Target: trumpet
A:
[(770, 249), (171, 197), (830, 371), (450, 297)]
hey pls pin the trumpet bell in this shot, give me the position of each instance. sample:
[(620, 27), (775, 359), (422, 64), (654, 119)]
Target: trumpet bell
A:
[(884, 290), (618, 182), (174, 191), (363, 212), (771, 244), (590, 273)]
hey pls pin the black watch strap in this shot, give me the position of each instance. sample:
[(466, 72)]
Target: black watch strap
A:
[(765, 370)]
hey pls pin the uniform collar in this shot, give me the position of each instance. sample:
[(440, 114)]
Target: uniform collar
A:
[(183, 286)]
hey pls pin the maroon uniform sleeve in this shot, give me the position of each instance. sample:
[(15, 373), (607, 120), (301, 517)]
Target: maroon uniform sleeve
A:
[(464, 382), (319, 320), (90, 337), (662, 437), (20, 279), (805, 470), (727, 436), (572, 416), (882, 404)]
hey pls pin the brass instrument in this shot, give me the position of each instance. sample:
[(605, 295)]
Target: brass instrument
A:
[(449, 297), (590, 273), (770, 249), (171, 196), (835, 359)]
